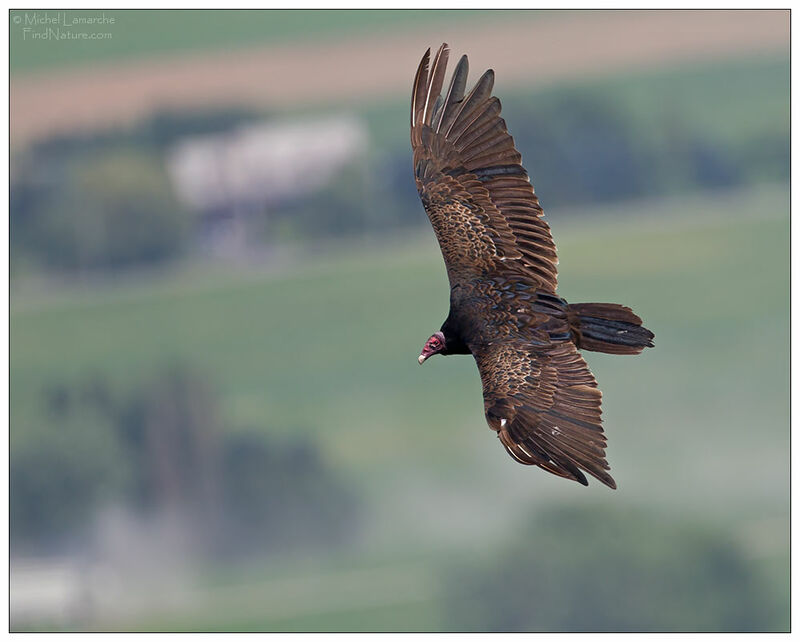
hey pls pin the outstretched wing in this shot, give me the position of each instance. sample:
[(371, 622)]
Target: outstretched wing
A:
[(471, 181), (545, 407)]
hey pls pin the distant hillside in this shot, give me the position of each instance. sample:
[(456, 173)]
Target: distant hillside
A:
[(379, 62)]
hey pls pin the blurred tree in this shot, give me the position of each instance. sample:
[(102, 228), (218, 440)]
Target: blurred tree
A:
[(171, 430), (163, 450), (115, 210), (281, 496), (601, 570), (60, 473), (579, 148), (165, 128), (394, 188)]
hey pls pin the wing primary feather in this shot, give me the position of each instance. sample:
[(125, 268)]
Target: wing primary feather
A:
[(455, 94), (420, 81), (485, 124), (437, 112), (435, 82), (480, 92)]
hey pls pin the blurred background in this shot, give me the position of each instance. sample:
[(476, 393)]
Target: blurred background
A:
[(221, 277)]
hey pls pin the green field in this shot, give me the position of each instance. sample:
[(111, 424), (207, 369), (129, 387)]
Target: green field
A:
[(326, 345)]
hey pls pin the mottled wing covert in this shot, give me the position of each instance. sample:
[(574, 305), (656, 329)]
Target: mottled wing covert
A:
[(471, 181), (545, 407)]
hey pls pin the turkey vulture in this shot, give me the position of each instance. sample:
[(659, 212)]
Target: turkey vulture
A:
[(539, 395)]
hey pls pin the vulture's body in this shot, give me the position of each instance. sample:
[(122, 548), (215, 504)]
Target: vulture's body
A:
[(539, 394)]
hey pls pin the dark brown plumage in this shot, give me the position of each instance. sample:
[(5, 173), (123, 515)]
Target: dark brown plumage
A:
[(539, 395)]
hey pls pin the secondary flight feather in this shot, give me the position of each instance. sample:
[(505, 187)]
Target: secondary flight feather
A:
[(539, 395)]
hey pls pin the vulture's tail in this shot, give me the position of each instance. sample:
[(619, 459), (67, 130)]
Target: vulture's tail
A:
[(608, 327)]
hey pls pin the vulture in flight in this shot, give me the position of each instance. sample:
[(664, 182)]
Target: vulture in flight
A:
[(539, 395)]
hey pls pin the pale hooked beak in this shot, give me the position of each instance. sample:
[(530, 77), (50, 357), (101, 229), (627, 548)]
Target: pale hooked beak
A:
[(421, 359)]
